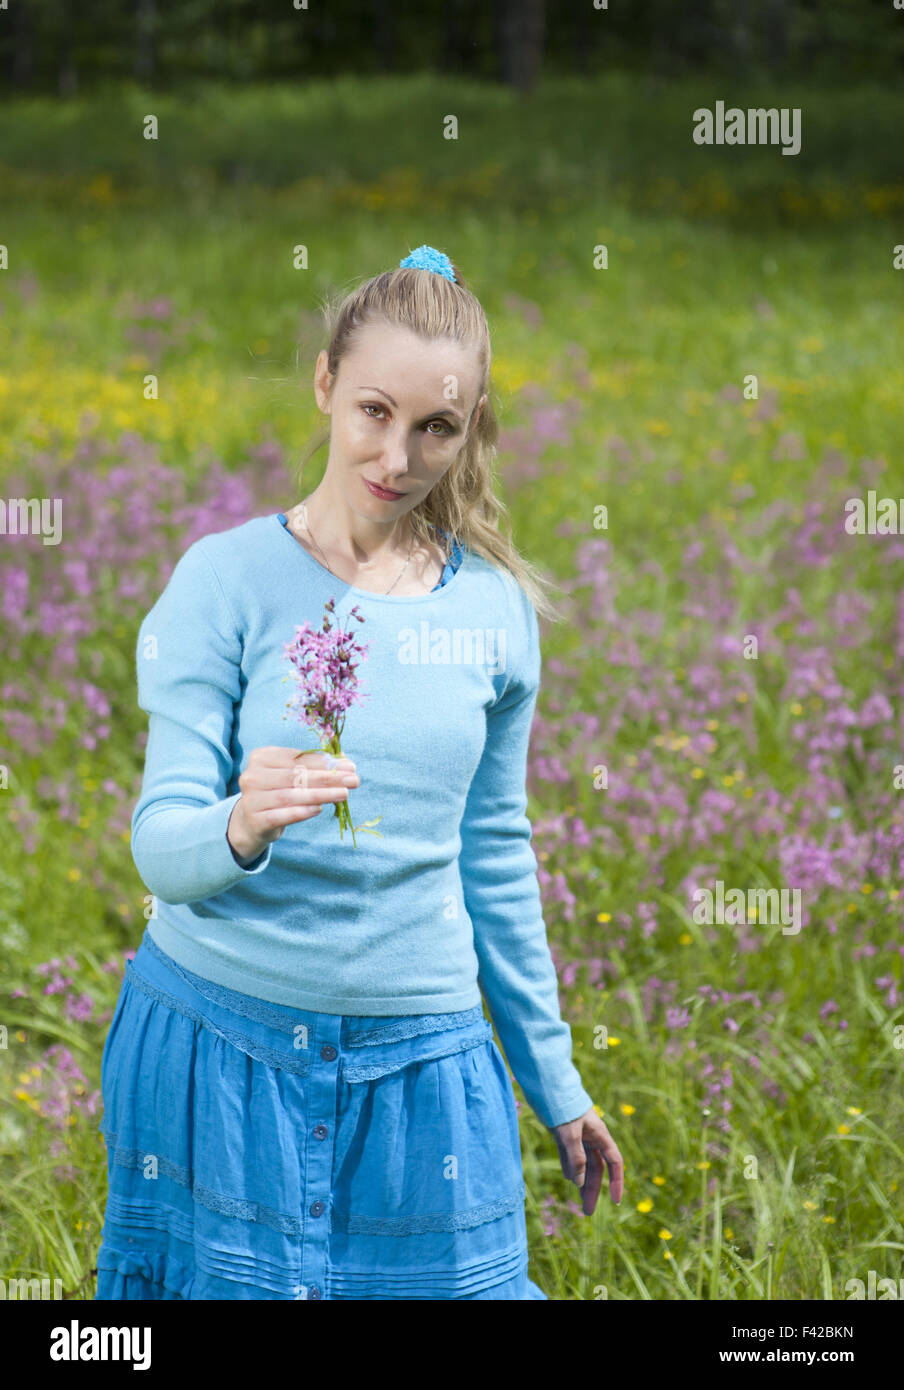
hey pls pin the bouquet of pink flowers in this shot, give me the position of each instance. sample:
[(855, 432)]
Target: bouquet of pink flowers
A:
[(325, 666)]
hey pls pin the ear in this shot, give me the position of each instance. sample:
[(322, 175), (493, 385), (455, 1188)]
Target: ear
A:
[(479, 409), (323, 382)]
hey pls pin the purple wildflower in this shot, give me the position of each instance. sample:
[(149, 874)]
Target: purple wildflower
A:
[(324, 665)]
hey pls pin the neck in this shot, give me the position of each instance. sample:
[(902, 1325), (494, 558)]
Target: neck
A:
[(359, 540)]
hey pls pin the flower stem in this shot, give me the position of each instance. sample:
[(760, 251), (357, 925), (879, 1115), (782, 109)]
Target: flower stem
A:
[(342, 812)]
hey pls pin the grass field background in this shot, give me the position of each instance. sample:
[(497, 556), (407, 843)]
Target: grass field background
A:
[(752, 1079)]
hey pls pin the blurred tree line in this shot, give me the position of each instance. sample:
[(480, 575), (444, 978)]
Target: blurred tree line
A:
[(64, 46)]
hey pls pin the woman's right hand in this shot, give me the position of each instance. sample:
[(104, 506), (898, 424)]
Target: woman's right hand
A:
[(279, 787)]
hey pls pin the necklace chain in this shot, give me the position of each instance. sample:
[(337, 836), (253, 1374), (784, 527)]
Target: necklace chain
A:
[(307, 525)]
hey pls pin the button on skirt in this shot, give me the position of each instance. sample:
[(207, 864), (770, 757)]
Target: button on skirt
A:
[(257, 1151)]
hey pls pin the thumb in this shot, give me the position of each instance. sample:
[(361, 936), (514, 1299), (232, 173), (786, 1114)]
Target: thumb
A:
[(576, 1160)]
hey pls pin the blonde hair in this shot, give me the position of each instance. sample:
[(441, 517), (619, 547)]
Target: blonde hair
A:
[(464, 502)]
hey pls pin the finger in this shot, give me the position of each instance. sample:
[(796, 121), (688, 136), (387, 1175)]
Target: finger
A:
[(305, 776), (266, 779), (277, 817), (270, 756), (574, 1161), (307, 796), (290, 815), (312, 795), (324, 760), (616, 1166), (266, 810), (601, 1140), (274, 756), (593, 1181)]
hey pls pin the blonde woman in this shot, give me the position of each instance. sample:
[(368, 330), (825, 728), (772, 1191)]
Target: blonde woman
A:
[(302, 1095)]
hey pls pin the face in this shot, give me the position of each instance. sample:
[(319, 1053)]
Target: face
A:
[(399, 410)]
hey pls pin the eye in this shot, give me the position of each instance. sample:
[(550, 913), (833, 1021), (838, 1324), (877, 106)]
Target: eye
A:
[(446, 428)]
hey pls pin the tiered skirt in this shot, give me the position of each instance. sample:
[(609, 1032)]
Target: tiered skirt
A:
[(257, 1151)]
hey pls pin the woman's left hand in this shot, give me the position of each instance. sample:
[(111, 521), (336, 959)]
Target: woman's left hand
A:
[(585, 1148)]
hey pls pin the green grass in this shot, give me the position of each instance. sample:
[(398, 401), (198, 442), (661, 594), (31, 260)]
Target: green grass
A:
[(721, 263)]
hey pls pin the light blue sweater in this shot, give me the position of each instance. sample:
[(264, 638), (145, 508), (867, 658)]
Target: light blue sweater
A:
[(447, 903)]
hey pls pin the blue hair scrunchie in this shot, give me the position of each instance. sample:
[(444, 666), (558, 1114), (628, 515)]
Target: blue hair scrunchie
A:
[(428, 258)]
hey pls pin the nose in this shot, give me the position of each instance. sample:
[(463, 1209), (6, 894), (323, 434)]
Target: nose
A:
[(394, 459)]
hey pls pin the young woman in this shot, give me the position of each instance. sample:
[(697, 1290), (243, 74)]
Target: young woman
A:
[(302, 1095)]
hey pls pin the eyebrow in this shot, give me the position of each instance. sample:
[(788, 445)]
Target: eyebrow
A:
[(433, 414)]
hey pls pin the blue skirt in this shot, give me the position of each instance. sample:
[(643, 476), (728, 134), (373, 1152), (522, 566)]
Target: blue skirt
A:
[(259, 1151)]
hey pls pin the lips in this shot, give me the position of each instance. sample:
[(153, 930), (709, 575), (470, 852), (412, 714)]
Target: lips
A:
[(383, 491)]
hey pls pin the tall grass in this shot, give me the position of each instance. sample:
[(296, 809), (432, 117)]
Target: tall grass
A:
[(751, 1078)]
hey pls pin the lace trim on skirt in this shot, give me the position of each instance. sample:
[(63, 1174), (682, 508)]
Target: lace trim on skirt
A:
[(272, 1056)]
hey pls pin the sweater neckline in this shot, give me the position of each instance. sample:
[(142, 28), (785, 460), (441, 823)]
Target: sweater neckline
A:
[(433, 595)]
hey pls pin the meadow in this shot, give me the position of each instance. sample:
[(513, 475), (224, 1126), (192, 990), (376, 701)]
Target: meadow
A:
[(751, 1077)]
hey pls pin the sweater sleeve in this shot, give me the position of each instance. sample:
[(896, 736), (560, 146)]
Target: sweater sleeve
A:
[(188, 662), (502, 896)]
